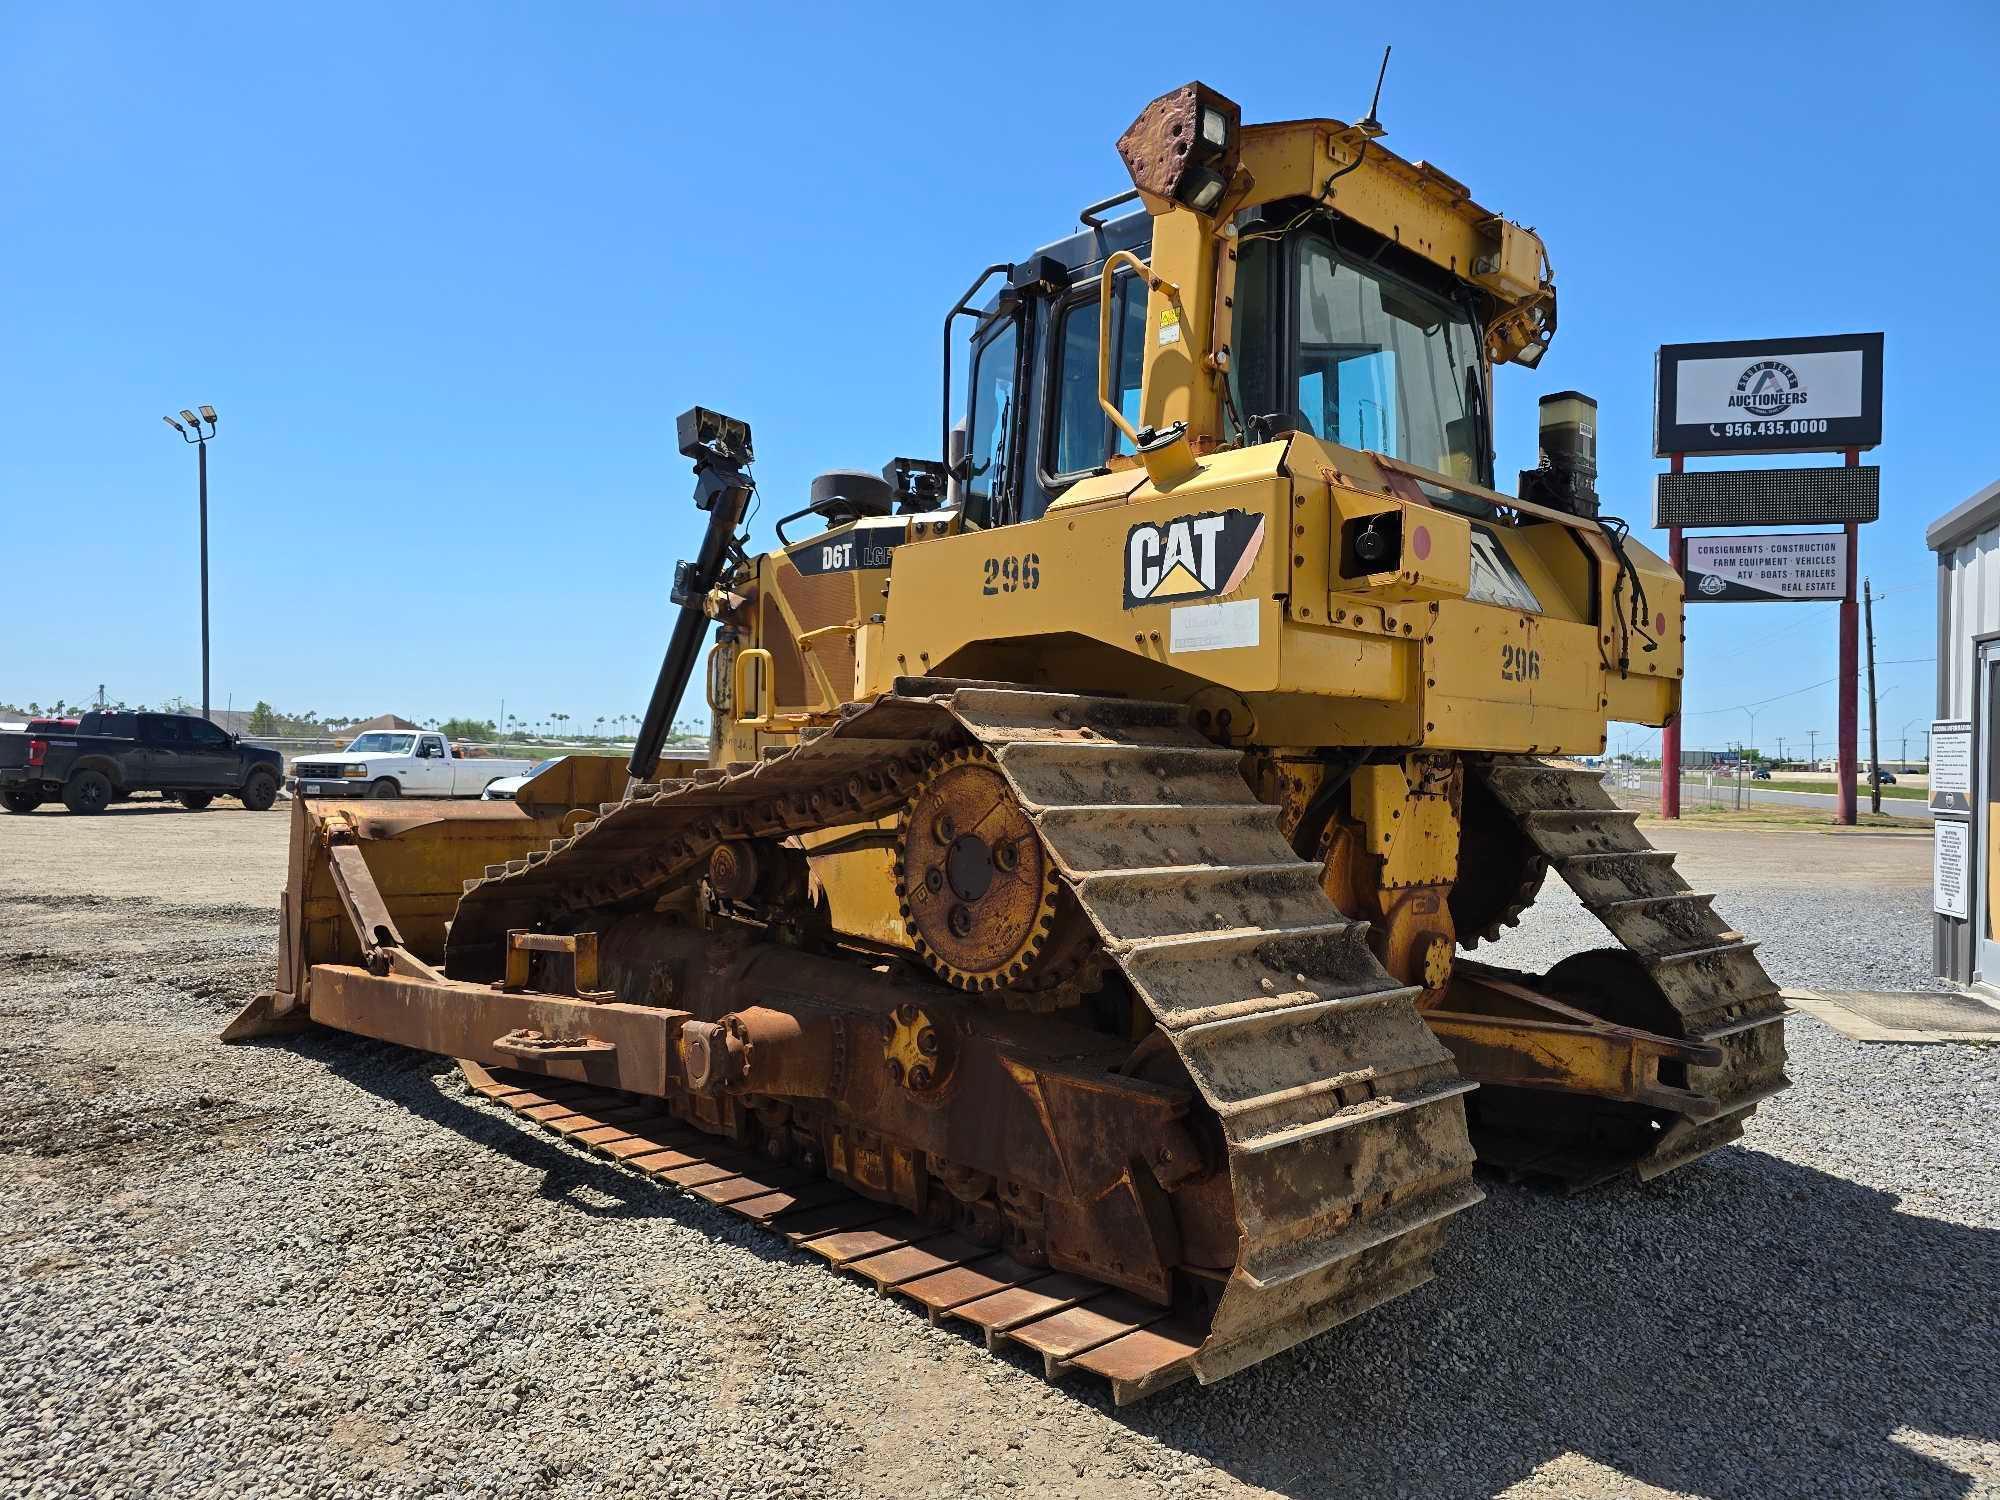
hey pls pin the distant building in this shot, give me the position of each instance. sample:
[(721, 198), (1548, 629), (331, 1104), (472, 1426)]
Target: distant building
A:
[(1964, 757), (380, 721)]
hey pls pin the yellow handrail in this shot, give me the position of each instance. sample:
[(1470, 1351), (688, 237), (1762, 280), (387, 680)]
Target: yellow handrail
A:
[(1172, 293), (739, 688)]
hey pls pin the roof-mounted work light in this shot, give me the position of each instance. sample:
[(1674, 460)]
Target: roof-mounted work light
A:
[(1184, 147), (711, 436)]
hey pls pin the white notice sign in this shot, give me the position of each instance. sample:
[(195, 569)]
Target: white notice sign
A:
[(1951, 766), (1951, 847), (1214, 627), (1761, 568)]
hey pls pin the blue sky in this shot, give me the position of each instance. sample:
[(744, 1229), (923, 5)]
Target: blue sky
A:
[(450, 271)]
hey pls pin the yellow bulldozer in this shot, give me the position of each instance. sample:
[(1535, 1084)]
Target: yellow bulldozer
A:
[(1066, 932)]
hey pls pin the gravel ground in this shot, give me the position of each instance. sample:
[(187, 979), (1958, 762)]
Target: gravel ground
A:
[(323, 1267)]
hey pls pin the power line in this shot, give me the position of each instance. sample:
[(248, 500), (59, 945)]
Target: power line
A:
[(1739, 707), (1824, 682)]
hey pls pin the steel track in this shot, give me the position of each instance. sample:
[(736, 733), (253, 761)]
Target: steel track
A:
[(1706, 971), (1345, 1135)]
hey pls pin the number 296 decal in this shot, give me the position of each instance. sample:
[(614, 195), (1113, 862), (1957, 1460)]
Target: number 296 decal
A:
[(1013, 574), (1520, 664)]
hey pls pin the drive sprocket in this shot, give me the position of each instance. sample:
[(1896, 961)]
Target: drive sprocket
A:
[(1499, 871), (976, 886)]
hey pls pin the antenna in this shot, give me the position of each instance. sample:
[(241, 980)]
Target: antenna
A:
[(1368, 122)]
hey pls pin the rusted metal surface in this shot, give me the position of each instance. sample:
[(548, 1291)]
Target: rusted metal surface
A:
[(973, 881), (1682, 969), (787, 1054), (1337, 1141), (537, 1046), (529, 956), (1157, 148), (467, 1020), (268, 1013), (1504, 1032), (1499, 872), (1076, 1324), (1016, 1129), (365, 907), (417, 857)]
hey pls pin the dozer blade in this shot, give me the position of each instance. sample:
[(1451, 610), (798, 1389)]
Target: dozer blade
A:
[(358, 866)]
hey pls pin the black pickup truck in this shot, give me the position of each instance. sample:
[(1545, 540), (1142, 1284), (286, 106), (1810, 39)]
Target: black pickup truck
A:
[(110, 755)]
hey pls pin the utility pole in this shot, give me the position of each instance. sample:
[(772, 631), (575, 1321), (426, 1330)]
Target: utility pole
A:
[(1874, 718), (1812, 748), (200, 441)]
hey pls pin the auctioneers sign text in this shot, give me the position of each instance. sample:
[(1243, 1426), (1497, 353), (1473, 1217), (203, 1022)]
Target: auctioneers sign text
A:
[(1805, 395)]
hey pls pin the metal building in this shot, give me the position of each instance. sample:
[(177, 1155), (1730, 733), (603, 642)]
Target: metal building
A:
[(1966, 892)]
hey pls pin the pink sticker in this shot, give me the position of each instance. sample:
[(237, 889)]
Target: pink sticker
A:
[(1420, 543)]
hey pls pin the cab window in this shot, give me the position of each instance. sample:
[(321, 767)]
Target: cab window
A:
[(994, 416), (207, 735), (159, 729), (1083, 437), (1383, 366), (432, 747), (1253, 366)]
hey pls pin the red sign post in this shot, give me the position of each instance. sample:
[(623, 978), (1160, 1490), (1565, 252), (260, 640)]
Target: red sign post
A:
[(1850, 676), (1670, 737)]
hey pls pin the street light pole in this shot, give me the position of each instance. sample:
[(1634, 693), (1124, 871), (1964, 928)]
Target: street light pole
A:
[(192, 433)]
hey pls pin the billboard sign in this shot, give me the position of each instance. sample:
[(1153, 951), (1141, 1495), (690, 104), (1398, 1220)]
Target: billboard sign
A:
[(1779, 567), (1805, 395)]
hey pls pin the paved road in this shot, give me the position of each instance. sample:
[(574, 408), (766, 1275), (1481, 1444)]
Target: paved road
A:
[(1692, 796)]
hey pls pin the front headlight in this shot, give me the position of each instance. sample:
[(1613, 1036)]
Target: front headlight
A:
[(354, 771)]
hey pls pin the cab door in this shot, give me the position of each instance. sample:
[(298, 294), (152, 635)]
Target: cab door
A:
[(162, 751), (430, 773), (209, 757)]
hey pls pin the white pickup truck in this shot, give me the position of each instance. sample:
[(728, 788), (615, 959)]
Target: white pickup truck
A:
[(399, 763)]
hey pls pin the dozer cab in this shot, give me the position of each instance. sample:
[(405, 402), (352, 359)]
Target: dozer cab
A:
[(1068, 932)]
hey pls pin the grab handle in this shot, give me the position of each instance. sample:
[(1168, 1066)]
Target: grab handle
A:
[(739, 685)]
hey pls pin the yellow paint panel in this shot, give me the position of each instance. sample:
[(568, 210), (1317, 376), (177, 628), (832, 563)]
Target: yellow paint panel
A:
[(1497, 679), (952, 593), (1336, 664)]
